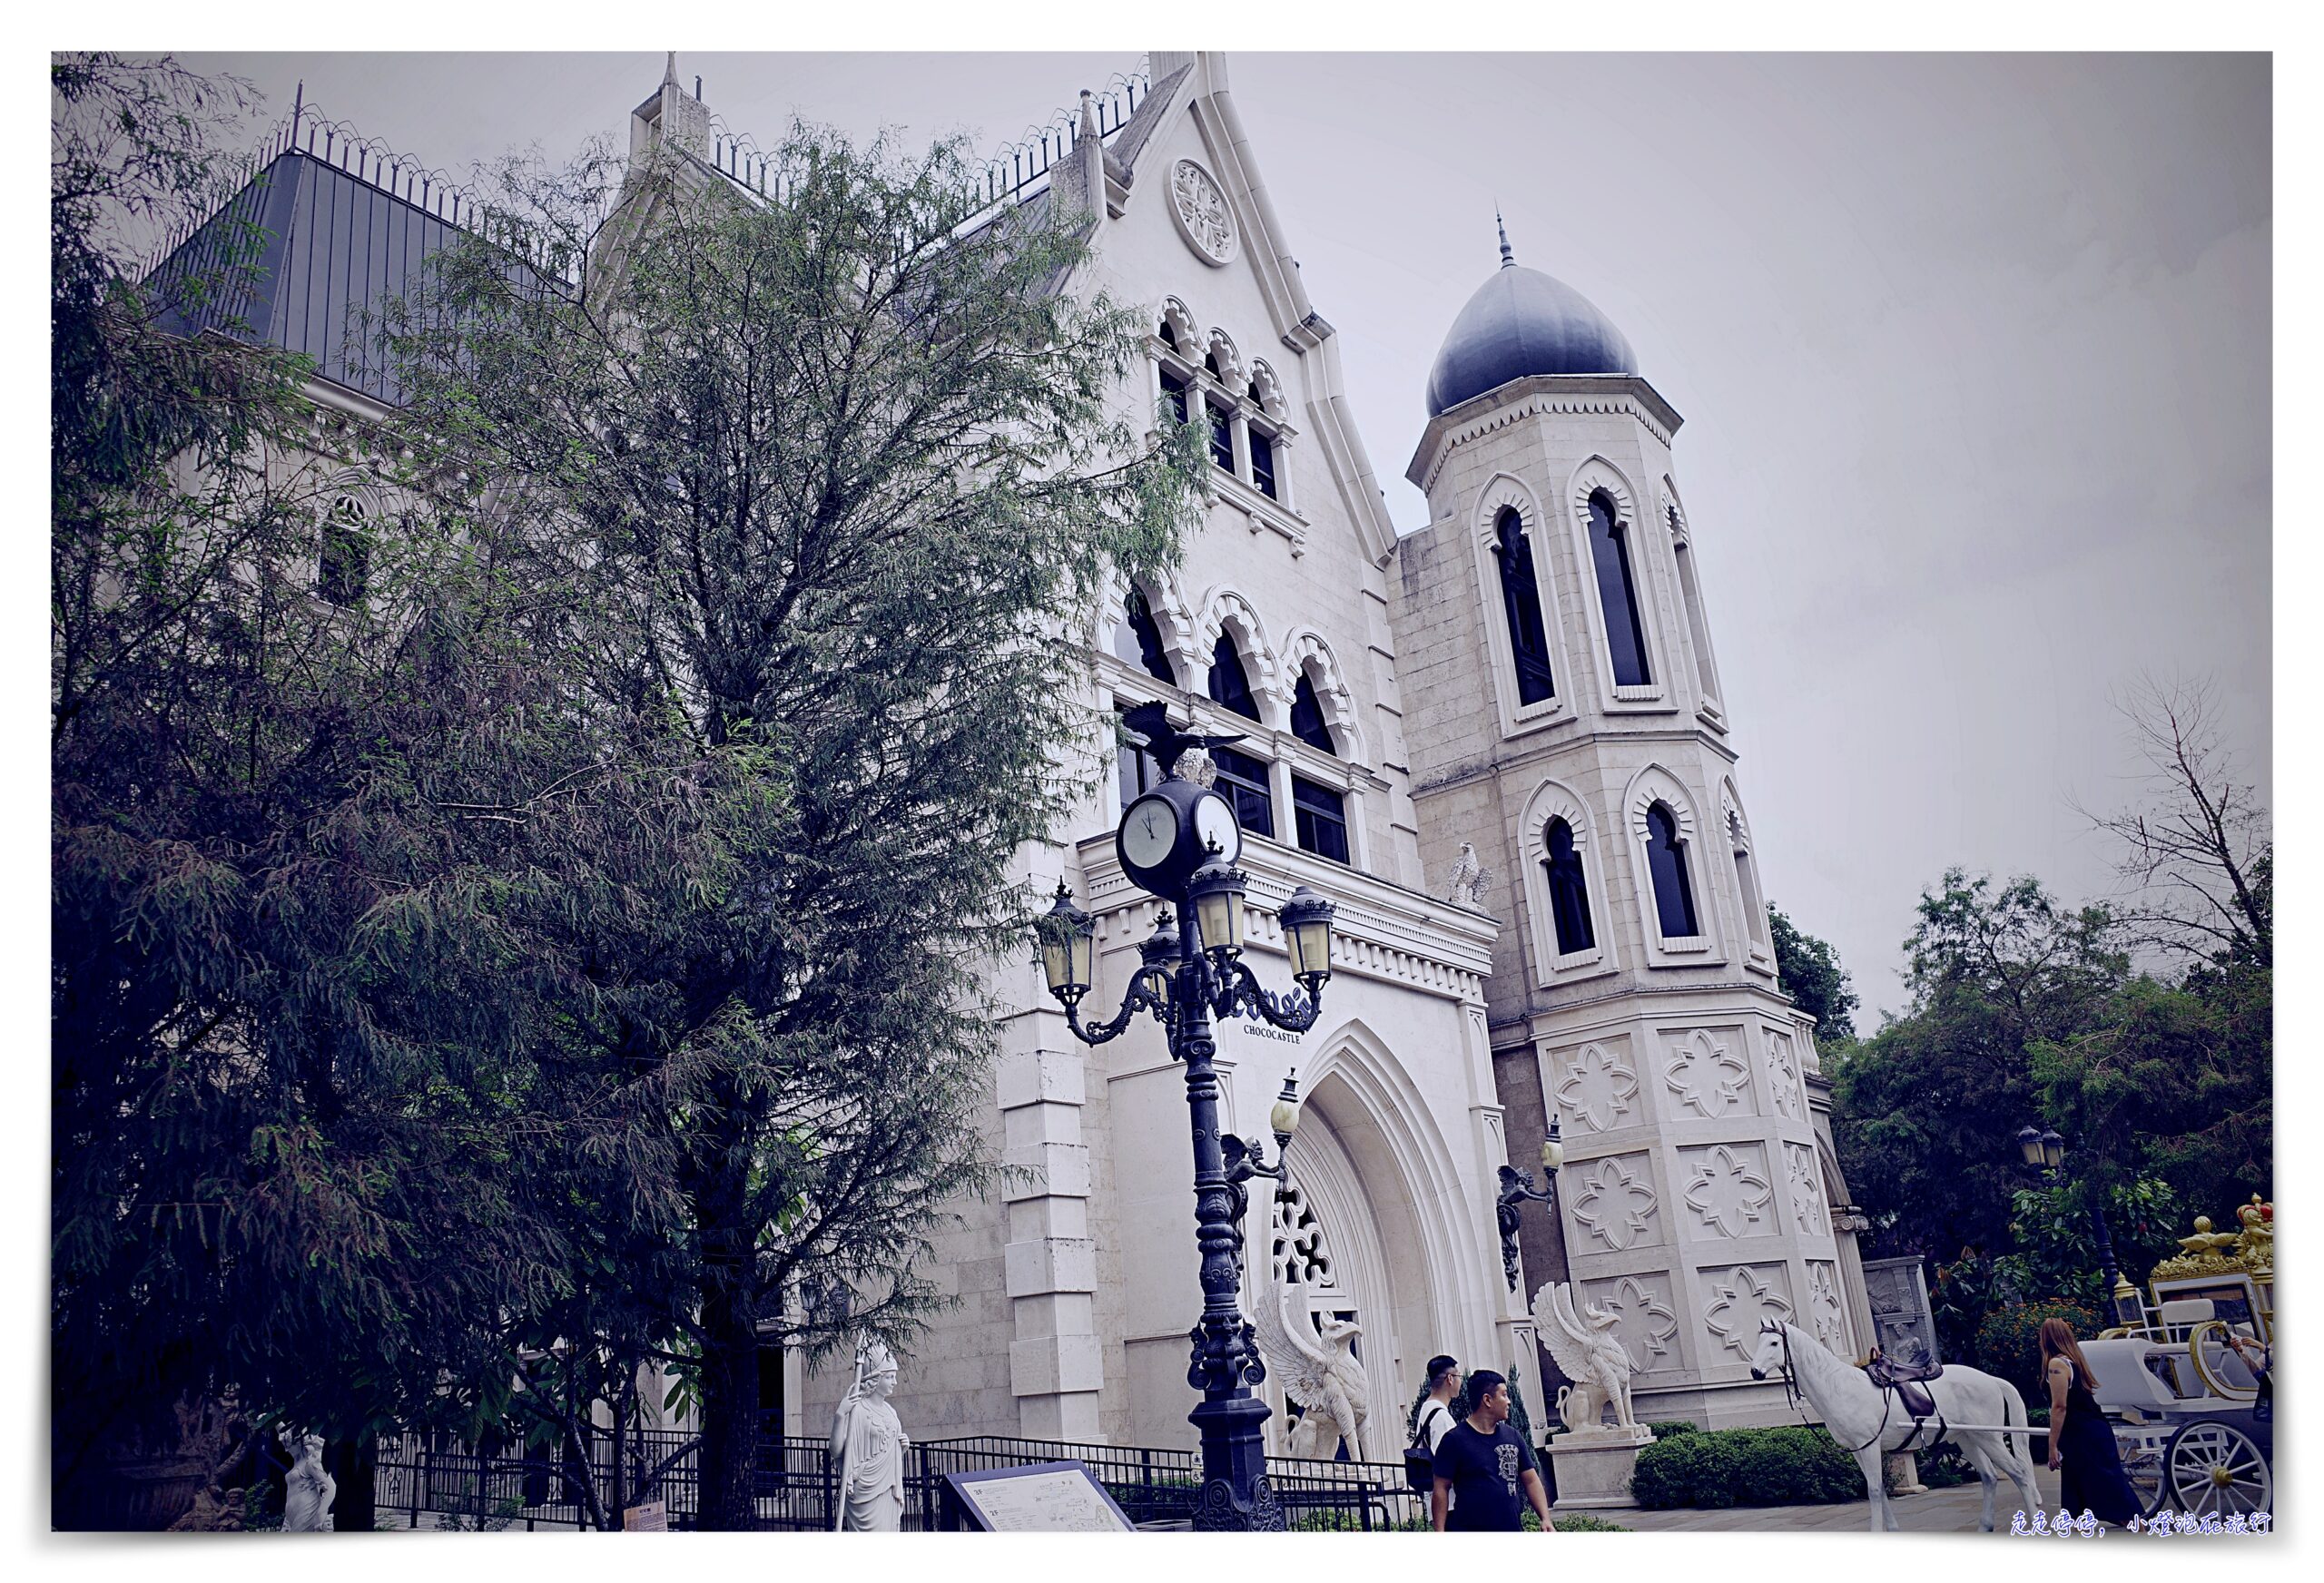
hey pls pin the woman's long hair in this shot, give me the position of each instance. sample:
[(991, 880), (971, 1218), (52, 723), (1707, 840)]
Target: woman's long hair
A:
[(2057, 1342)]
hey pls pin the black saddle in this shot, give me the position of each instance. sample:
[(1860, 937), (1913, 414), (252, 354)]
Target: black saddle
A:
[(1907, 1380)]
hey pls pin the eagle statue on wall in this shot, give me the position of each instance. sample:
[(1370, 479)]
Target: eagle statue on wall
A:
[(1588, 1352), (1319, 1373)]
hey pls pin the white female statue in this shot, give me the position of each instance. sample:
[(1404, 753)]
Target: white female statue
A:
[(868, 1447), (308, 1490)]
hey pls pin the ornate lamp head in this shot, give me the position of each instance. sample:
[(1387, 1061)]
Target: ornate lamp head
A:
[(1067, 940)]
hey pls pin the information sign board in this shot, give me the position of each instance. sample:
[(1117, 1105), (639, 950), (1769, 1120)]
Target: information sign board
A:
[(1039, 1498)]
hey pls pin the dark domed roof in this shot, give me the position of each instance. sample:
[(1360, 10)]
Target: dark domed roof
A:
[(1522, 322)]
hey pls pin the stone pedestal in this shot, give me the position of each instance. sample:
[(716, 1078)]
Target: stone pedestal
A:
[(1594, 1466), (1903, 1471)]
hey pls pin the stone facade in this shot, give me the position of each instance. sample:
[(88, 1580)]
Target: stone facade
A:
[(1084, 1334), (1700, 1189)]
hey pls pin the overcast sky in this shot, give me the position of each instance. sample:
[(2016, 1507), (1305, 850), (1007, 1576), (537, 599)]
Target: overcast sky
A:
[(1973, 352)]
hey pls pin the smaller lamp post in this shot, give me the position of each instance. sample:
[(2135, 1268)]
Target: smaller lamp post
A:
[(1517, 1187), (2046, 1151), (1246, 1157)]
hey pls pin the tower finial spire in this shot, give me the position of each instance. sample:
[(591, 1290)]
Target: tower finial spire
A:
[(1508, 258), (670, 72)]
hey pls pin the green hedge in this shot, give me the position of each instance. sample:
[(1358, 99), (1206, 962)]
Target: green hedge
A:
[(1664, 1427), (2009, 1342), (1567, 1521), (1787, 1465)]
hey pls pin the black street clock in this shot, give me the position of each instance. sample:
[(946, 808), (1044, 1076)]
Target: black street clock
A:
[(1170, 833)]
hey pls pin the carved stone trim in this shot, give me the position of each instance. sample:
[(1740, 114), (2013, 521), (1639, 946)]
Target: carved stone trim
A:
[(1727, 1186), (1740, 1301), (1201, 210), (1708, 1076), (1807, 1190), (1598, 1089), (1616, 1206)]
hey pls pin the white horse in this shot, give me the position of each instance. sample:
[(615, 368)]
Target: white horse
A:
[(1973, 1410)]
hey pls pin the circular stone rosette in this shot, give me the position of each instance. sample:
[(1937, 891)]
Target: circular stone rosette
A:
[(1200, 209)]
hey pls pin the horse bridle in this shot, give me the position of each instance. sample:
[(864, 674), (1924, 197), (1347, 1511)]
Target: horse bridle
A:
[(1792, 1396)]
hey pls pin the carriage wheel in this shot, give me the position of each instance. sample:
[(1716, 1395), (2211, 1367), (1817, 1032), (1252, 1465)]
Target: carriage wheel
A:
[(2209, 1466)]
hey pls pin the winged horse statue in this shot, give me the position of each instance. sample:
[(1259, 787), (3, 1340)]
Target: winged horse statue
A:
[(1974, 1411), (1588, 1352), (1319, 1373)]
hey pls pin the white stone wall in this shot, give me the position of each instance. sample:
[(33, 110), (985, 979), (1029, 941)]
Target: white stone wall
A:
[(1693, 1200), (1078, 1287)]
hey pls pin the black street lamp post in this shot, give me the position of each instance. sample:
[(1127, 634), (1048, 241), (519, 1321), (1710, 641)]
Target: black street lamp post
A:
[(1179, 842), (1517, 1187), (2046, 1151)]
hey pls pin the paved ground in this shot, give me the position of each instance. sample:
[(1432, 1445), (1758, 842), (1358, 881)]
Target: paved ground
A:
[(1951, 1511)]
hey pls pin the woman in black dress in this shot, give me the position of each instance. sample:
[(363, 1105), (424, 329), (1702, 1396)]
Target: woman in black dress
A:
[(2082, 1442)]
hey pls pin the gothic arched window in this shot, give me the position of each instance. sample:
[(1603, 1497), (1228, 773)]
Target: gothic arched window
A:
[(1139, 641), (1307, 722), (1666, 859), (343, 569), (1610, 550), (1569, 891), (1228, 685), (1521, 599)]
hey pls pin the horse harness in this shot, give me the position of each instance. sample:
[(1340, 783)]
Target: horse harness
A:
[(1916, 1397)]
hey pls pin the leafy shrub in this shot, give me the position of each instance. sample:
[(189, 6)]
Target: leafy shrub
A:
[(1944, 1465), (1567, 1521), (1665, 1427), (2009, 1342), (1787, 1465), (1575, 1522)]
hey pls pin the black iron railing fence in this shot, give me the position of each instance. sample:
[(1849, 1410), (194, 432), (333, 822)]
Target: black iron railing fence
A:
[(437, 1483)]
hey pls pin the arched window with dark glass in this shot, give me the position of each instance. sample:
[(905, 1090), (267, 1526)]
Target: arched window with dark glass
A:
[(1307, 722), (1222, 435), (1569, 891), (1245, 782), (343, 569), (1174, 396), (1665, 861), (1228, 685), (1610, 550), (1139, 641), (1521, 598)]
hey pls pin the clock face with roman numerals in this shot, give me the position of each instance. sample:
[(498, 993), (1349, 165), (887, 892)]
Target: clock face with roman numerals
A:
[(1149, 832)]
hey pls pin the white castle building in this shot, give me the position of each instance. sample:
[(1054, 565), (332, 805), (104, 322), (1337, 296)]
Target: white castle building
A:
[(1530, 676), (1525, 687)]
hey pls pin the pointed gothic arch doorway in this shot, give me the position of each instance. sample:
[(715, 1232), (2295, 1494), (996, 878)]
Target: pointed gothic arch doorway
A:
[(1378, 1223)]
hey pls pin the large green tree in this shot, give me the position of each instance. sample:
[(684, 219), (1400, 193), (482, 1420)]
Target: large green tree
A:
[(804, 499), (1926, 1108), (2141, 1029), (280, 1164), (1808, 971)]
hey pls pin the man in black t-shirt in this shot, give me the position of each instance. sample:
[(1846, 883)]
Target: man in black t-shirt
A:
[(1485, 1472)]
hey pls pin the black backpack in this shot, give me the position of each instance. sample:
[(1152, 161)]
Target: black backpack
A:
[(1420, 1462)]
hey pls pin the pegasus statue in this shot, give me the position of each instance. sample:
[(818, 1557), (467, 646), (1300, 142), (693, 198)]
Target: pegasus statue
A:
[(1319, 1373), (1588, 1352)]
